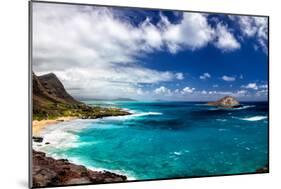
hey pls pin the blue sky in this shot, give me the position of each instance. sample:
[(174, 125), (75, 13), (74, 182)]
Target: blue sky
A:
[(101, 52)]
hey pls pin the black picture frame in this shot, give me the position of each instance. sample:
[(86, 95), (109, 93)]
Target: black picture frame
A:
[(30, 58)]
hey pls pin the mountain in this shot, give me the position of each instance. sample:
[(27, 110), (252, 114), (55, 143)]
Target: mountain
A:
[(48, 92), (226, 102), (55, 88), (50, 100)]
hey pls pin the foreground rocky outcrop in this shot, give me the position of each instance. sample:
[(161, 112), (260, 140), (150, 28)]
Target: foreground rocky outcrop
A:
[(47, 171), (226, 102), (264, 169)]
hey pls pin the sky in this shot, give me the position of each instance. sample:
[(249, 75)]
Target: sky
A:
[(108, 52)]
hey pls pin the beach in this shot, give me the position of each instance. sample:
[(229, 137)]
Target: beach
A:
[(38, 125), (47, 170)]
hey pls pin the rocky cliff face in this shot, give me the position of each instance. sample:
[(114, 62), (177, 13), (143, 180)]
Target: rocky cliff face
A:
[(49, 95), (48, 87), (226, 102), (53, 86), (50, 172)]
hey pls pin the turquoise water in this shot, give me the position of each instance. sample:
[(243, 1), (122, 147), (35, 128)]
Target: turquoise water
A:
[(167, 140)]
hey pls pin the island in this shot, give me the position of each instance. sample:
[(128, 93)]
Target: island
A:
[(51, 104), (226, 102)]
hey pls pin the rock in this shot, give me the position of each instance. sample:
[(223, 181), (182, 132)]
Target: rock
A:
[(37, 139), (51, 172), (226, 102), (47, 143), (264, 169)]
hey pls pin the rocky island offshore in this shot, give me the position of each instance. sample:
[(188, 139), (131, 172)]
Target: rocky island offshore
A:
[(52, 104), (226, 102)]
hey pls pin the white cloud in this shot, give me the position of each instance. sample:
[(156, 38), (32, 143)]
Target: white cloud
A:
[(251, 86), (203, 92), (162, 91), (179, 76), (187, 90), (226, 40), (96, 54), (228, 78), (255, 27), (241, 92), (193, 32), (205, 76), (265, 86)]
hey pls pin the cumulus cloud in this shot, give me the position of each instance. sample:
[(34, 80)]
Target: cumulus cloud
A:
[(226, 39), (187, 90), (228, 78), (162, 91), (251, 86), (93, 51), (255, 27), (193, 32), (218, 94), (265, 86), (205, 76), (96, 52), (255, 86)]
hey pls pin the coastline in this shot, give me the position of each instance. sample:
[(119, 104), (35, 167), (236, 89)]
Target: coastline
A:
[(38, 125), (83, 173), (48, 171)]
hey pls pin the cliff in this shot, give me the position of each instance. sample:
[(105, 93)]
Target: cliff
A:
[(51, 100), (48, 171)]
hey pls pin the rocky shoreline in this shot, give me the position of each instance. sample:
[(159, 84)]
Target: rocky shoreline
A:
[(47, 171)]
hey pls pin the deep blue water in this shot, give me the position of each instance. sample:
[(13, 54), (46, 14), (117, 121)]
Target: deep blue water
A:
[(167, 140)]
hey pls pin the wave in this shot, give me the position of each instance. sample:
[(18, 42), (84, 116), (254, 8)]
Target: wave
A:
[(134, 115), (231, 109), (60, 136), (254, 118), (245, 107)]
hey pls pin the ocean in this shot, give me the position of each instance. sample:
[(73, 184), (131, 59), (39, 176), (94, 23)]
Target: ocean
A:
[(165, 140)]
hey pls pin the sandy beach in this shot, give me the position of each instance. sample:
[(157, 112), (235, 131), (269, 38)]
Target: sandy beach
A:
[(37, 126)]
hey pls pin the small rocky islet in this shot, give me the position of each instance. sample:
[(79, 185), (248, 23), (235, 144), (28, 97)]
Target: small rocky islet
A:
[(226, 102)]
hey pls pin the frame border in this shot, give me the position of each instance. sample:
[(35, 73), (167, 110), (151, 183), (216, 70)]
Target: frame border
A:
[(30, 58)]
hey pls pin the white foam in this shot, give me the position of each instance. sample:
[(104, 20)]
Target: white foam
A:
[(178, 153), (78, 161), (254, 118), (63, 136), (134, 115), (222, 120), (60, 136), (244, 107)]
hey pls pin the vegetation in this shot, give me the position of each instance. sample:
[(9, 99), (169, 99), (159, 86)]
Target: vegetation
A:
[(55, 110), (51, 100)]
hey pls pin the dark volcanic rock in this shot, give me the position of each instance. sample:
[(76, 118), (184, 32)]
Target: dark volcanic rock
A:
[(54, 87), (37, 139), (226, 102), (264, 169), (50, 172)]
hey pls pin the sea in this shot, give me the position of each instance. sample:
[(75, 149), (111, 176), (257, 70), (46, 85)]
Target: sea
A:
[(165, 140)]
